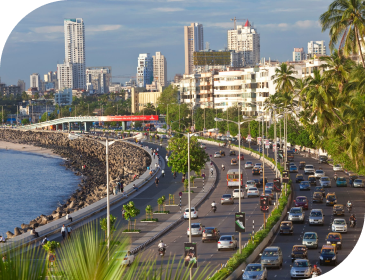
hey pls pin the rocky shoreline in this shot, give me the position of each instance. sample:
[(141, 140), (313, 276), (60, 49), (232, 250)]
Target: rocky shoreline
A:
[(125, 161)]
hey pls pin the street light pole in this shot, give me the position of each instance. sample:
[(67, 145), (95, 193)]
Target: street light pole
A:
[(239, 176), (276, 146), (189, 204), (263, 156), (107, 192)]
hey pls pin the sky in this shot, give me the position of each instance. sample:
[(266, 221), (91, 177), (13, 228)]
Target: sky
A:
[(117, 31)]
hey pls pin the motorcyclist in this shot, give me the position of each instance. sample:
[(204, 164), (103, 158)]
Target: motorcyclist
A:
[(349, 204), (214, 206), (317, 270), (162, 245), (353, 218), (223, 167), (335, 176), (211, 170)]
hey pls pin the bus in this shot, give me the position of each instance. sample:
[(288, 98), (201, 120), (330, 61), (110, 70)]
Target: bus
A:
[(232, 178), (290, 155)]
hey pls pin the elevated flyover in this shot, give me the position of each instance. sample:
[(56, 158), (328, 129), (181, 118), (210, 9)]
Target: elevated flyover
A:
[(85, 122)]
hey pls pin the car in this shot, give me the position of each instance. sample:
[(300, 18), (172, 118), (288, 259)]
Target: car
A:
[(272, 256), (269, 186), (233, 161), (242, 157), (126, 257), (317, 197), (236, 192), (224, 138), (227, 242), (250, 183), (219, 137), (194, 213), (341, 182), (252, 191), (291, 163), (312, 180), (286, 227), (210, 234), (320, 189), (223, 154), (255, 171), (248, 164), (319, 173), (308, 169), (217, 155), (227, 199), (323, 159), (337, 167), (296, 214), (301, 268), (304, 186), (301, 201), (203, 146), (339, 225), (334, 239), (196, 229), (260, 184), (299, 178), (358, 183), (316, 217), (310, 240), (293, 169), (298, 252), (301, 165), (325, 182), (331, 199), (234, 139), (328, 255), (258, 165), (269, 193), (255, 271), (338, 210), (232, 153)]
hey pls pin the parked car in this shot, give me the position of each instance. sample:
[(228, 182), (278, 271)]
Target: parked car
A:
[(317, 197), (334, 239), (299, 178), (298, 252), (227, 199), (296, 214), (248, 164), (252, 191), (194, 213), (301, 268), (325, 182), (210, 234), (328, 255), (301, 201), (319, 173), (358, 183), (316, 217), (310, 239), (312, 180), (337, 167), (196, 229), (331, 199), (304, 186), (286, 227), (339, 225), (255, 271), (341, 182), (126, 257), (236, 192), (272, 256), (338, 210), (227, 242), (309, 169)]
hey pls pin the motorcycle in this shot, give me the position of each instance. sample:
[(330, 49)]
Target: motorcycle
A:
[(314, 274), (161, 251), (223, 168), (352, 223), (214, 208), (349, 208)]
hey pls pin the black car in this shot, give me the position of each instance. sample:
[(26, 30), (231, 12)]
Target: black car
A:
[(317, 197), (256, 171), (286, 227), (260, 182), (299, 178), (299, 252), (328, 255)]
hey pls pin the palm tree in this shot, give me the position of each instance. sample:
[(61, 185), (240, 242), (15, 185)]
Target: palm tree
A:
[(345, 19), (283, 77)]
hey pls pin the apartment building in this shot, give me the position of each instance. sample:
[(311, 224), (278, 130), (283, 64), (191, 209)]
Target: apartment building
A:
[(35, 81), (193, 42), (144, 70), (160, 69), (299, 54), (317, 48), (100, 78)]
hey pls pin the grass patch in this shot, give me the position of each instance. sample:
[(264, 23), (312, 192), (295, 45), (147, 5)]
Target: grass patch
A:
[(132, 230), (150, 220), (161, 212)]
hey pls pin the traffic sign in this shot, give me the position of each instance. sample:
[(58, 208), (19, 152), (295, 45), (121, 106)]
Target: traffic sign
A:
[(52, 258), (228, 134), (204, 130), (249, 138), (180, 194), (267, 144), (259, 140)]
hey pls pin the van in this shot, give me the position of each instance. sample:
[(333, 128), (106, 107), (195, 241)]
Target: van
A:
[(272, 257)]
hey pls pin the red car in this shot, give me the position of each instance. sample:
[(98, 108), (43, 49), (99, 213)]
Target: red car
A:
[(242, 157), (301, 201)]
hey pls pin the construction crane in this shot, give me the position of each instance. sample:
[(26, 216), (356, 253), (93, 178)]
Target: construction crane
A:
[(234, 21)]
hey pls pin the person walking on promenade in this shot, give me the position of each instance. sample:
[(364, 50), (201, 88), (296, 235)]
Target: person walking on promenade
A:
[(69, 230), (163, 173), (156, 165), (123, 211), (68, 217), (121, 187), (183, 178), (157, 181), (174, 174), (63, 231)]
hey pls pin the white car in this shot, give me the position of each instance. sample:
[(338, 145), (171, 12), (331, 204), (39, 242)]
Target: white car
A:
[(308, 169), (236, 192), (194, 213), (250, 183), (337, 167), (203, 146), (249, 164), (339, 225), (252, 191), (126, 257), (217, 155), (196, 229), (227, 242), (259, 165), (319, 173)]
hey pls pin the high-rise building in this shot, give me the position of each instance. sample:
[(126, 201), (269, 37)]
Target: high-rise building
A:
[(316, 48), (74, 31), (299, 54), (245, 39), (100, 78), (35, 81), (144, 70), (21, 84), (193, 42), (160, 69)]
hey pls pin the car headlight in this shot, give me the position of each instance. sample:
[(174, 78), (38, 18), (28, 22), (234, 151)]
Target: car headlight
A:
[(328, 242), (338, 242), (290, 218), (244, 276), (321, 258), (311, 220), (334, 258)]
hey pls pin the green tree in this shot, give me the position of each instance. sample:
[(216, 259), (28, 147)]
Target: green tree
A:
[(25, 121), (25, 96), (169, 96), (51, 246), (345, 19), (130, 212), (104, 226), (149, 212), (178, 160)]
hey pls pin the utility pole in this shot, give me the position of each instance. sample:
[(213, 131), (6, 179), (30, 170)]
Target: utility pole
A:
[(167, 118), (117, 110), (179, 118), (204, 117), (263, 156), (88, 109), (17, 106), (2, 114), (276, 146)]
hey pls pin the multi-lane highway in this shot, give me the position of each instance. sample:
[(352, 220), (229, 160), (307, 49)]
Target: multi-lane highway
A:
[(223, 219)]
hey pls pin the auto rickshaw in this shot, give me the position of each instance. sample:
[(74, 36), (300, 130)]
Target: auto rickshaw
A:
[(222, 153), (302, 165), (299, 252), (233, 161), (232, 153)]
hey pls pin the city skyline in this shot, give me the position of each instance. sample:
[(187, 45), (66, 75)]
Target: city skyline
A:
[(122, 30)]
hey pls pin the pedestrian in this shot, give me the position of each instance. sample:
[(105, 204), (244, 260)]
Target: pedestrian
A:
[(156, 182), (174, 174), (69, 230), (2, 239), (154, 155), (44, 241), (163, 173), (157, 149), (151, 173), (156, 165), (63, 231), (183, 178), (148, 168), (115, 190), (68, 217), (134, 187), (123, 212)]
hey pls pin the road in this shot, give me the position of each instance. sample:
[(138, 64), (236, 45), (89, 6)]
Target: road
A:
[(223, 219), (355, 195)]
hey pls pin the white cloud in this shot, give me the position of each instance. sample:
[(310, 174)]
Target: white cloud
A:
[(48, 29), (226, 25), (102, 28), (283, 10), (302, 24), (307, 24), (168, 10)]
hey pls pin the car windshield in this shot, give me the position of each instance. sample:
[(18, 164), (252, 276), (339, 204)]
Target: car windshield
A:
[(318, 189), (295, 210), (304, 183), (333, 236), (252, 189), (226, 238), (285, 224), (309, 166), (187, 210), (301, 264), (319, 171), (317, 194), (249, 162), (342, 179), (339, 222), (325, 179), (301, 199), (299, 249), (300, 177), (258, 164), (331, 197), (270, 253), (254, 268), (358, 181), (328, 251), (195, 226), (209, 230), (226, 196), (269, 184), (268, 192), (316, 214), (338, 207), (250, 182), (311, 178), (309, 236)]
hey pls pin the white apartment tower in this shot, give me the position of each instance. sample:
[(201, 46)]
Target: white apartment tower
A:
[(160, 69), (144, 70), (35, 81), (299, 54), (74, 31), (245, 39), (193, 42), (316, 47)]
